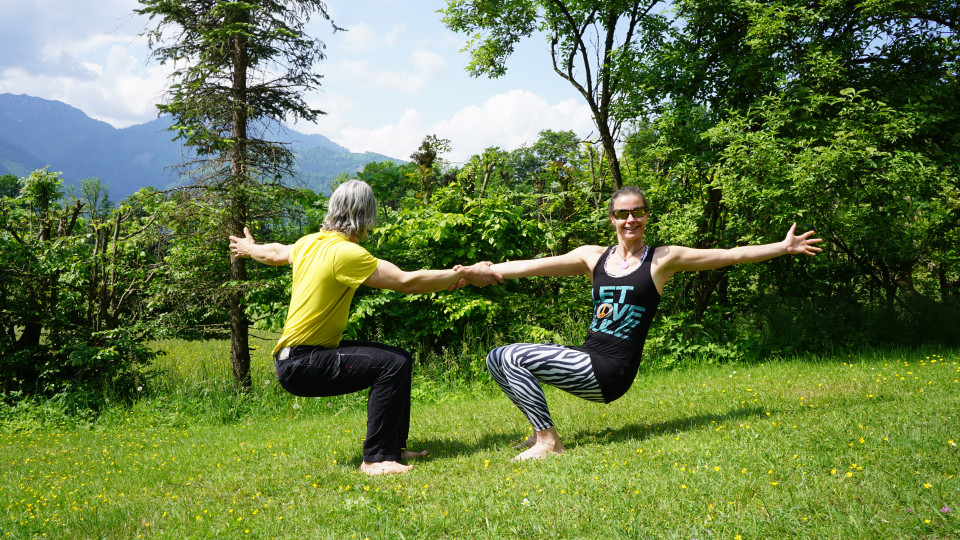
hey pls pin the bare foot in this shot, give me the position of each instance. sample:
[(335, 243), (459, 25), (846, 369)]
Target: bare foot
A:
[(531, 440), (380, 468), (539, 450), (407, 454)]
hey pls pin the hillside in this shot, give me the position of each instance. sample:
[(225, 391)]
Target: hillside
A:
[(36, 132)]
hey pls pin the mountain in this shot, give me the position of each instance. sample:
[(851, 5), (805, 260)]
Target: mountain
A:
[(36, 132)]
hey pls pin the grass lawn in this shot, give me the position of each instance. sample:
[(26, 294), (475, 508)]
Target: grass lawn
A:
[(856, 447)]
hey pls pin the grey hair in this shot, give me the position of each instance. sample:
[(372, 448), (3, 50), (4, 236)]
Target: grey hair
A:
[(626, 190), (352, 210)]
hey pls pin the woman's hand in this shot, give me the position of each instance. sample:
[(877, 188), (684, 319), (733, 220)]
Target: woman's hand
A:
[(801, 244)]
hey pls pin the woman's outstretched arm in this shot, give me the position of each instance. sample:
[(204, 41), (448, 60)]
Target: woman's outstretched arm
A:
[(673, 259), (580, 261)]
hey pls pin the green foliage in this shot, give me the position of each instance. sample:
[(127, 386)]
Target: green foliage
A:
[(77, 315), (826, 114), (452, 230), (853, 184), (193, 302), (532, 202), (10, 185), (391, 183), (428, 161)]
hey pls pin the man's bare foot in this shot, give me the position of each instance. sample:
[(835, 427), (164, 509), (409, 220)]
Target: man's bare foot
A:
[(539, 450), (407, 454), (380, 468), (531, 440)]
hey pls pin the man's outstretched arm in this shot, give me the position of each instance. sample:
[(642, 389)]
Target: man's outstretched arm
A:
[(247, 247)]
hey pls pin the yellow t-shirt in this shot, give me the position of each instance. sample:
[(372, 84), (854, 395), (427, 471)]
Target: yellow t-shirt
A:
[(327, 269)]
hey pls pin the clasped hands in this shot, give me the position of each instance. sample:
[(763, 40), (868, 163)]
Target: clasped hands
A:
[(480, 274)]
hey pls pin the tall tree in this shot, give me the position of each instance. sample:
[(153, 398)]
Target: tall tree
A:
[(427, 158), (592, 47), (240, 68)]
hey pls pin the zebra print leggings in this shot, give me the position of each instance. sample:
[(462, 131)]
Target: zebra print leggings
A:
[(519, 369)]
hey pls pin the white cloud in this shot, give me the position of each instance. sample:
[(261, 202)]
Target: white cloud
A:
[(397, 140), (427, 65), (118, 89), (507, 120), (363, 38), (359, 38), (336, 119)]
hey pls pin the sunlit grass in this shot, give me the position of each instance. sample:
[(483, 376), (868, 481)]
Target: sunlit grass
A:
[(854, 447)]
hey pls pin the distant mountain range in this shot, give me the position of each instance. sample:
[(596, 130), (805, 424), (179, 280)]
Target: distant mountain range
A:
[(35, 133)]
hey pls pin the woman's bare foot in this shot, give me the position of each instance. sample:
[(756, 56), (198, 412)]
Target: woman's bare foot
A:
[(531, 440), (407, 454), (380, 468), (539, 450), (547, 443)]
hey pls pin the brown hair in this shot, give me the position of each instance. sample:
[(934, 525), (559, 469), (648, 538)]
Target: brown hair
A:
[(626, 190)]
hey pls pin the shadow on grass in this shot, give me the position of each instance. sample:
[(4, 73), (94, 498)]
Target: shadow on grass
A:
[(446, 448), (641, 432)]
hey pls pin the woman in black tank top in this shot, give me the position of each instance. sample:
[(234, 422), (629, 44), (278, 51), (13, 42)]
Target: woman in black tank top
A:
[(628, 278)]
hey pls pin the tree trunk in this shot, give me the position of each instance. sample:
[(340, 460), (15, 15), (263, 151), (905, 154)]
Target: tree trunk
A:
[(239, 329), (706, 284), (610, 152), (566, 207)]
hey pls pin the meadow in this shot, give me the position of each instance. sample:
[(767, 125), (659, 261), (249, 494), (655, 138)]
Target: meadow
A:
[(854, 446)]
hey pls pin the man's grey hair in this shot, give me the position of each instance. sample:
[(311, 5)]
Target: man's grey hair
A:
[(352, 210)]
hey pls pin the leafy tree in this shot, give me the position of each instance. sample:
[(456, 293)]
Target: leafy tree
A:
[(492, 167), (10, 185), (391, 183), (451, 229), (75, 294), (593, 46), (240, 67), (770, 112), (191, 303), (857, 186), (95, 197), (427, 159)]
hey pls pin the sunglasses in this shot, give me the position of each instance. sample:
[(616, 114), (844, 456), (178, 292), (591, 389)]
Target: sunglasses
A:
[(637, 213)]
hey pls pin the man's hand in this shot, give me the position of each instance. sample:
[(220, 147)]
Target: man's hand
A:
[(242, 248), (247, 247)]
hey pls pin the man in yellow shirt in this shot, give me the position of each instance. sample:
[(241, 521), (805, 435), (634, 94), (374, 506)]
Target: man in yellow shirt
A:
[(312, 359)]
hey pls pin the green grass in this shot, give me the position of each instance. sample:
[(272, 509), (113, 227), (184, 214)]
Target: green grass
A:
[(856, 447)]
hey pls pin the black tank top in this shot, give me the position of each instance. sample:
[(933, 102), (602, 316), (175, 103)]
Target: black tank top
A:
[(623, 308)]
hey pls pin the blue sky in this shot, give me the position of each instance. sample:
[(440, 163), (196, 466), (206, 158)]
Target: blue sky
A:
[(394, 77)]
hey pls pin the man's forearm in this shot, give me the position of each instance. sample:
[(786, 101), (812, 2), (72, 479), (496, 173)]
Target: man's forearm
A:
[(271, 254), (428, 281)]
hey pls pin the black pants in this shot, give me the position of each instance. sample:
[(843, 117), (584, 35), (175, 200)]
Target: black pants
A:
[(353, 366)]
